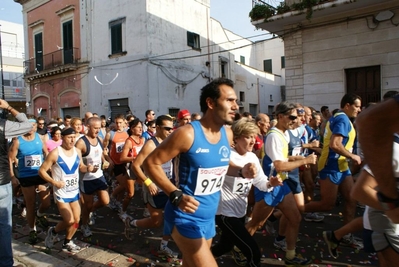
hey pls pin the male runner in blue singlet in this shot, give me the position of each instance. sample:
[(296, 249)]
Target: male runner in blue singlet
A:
[(202, 155)]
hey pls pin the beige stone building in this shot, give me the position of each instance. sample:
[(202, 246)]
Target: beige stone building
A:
[(338, 46)]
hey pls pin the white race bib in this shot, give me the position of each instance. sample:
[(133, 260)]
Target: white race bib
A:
[(209, 180), (297, 151), (119, 147), (33, 161), (241, 186), (71, 182)]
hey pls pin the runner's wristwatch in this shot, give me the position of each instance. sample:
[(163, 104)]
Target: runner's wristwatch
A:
[(386, 202)]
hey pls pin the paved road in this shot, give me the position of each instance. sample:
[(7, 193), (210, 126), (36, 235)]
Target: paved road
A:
[(109, 247)]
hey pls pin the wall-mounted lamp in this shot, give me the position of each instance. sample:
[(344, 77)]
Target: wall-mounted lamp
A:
[(384, 15)]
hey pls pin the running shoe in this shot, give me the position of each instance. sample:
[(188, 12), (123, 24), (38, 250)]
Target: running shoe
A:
[(297, 261), (332, 245), (269, 227), (42, 221), (85, 229), (23, 213), (282, 244), (166, 251), (92, 219), (313, 217), (123, 216), (32, 237), (238, 257), (71, 247), (114, 204), (128, 228), (350, 241), (51, 238)]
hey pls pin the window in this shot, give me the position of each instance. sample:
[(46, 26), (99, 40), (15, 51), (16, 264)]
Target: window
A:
[(224, 67), (173, 112), (242, 96), (67, 39), (283, 62), (242, 60), (267, 65), (270, 110), (38, 51), (193, 40), (7, 82), (253, 109), (117, 39)]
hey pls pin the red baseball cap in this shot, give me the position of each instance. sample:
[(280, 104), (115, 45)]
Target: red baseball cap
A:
[(183, 113)]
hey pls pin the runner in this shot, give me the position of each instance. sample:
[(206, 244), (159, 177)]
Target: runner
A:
[(115, 140), (92, 183), (131, 149), (154, 198), (202, 151), (65, 162), (276, 150), (26, 156), (230, 216), (333, 166)]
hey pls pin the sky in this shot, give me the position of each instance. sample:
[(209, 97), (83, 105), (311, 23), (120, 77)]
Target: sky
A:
[(233, 14)]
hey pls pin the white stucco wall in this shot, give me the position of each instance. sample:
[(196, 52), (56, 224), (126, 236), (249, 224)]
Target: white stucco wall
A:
[(160, 71)]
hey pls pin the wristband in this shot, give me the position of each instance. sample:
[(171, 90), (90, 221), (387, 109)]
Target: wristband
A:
[(175, 197), (147, 182), (8, 108), (240, 173)]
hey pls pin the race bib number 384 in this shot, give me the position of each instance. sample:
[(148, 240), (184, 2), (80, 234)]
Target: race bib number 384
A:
[(209, 180)]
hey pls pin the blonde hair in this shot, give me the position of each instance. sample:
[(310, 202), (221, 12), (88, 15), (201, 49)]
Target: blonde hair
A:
[(244, 127), (75, 119)]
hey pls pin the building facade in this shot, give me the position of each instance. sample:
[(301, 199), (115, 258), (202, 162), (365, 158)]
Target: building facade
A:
[(54, 70), (12, 57), (139, 55), (344, 46)]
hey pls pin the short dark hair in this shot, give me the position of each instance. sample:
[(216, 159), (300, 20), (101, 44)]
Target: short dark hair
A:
[(389, 94), (54, 130), (212, 90), (350, 99), (323, 108), (160, 119), (285, 107), (148, 111), (66, 117)]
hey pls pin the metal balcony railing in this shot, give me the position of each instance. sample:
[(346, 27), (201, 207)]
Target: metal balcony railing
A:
[(52, 60)]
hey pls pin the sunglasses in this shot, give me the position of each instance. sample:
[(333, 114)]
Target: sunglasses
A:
[(153, 114), (300, 110), (292, 117), (167, 128)]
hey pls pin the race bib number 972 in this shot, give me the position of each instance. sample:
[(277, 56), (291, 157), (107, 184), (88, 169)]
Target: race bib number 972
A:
[(209, 180)]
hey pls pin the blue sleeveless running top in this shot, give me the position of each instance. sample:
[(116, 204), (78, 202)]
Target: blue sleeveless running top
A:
[(200, 173), (30, 156)]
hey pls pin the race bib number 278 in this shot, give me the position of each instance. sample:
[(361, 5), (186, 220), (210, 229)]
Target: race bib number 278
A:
[(210, 180)]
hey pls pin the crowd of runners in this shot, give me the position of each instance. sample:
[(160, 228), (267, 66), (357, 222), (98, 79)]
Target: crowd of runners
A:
[(225, 169)]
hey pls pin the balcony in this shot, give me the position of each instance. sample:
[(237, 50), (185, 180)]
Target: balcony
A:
[(62, 60), (299, 13)]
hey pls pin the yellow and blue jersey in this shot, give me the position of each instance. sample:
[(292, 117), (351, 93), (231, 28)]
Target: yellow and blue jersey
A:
[(339, 124)]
